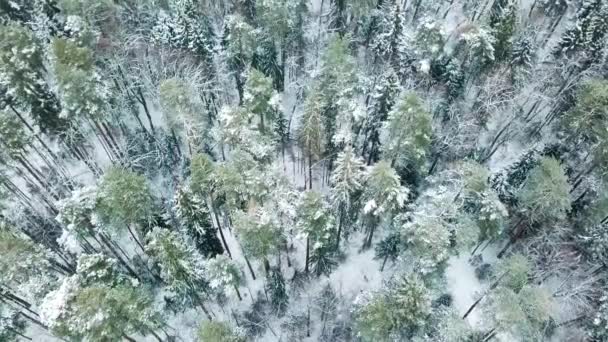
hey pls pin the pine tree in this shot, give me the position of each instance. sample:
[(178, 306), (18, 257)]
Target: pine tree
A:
[(503, 21), (545, 196), (430, 38), (22, 66), (258, 235), (224, 275), (588, 33), (408, 134), (411, 302), (124, 200), (522, 313), (316, 223), (239, 45), (112, 313), (194, 216), (383, 196), (218, 331), (388, 248), (279, 299), (347, 180), (312, 135), (184, 113), (428, 239), (182, 269), (258, 100), (374, 317), (186, 28)]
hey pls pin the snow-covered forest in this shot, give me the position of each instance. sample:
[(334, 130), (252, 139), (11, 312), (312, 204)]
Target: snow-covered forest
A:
[(304, 170)]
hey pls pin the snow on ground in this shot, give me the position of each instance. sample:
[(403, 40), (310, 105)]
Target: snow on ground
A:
[(464, 286)]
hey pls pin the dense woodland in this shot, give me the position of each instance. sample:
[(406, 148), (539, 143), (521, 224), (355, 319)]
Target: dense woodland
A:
[(303, 170)]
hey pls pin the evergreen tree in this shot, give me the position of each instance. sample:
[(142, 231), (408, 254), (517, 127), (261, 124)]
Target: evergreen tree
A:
[(184, 113), (312, 135), (218, 331), (408, 134), (588, 33), (316, 223), (279, 299), (182, 269), (545, 196), (194, 216), (347, 178), (224, 275), (186, 28), (388, 248), (110, 313), (239, 46), (258, 100), (21, 67), (503, 21), (258, 235), (124, 200), (383, 196), (524, 313)]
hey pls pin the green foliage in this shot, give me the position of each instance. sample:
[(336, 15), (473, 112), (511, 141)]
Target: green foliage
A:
[(514, 272), (201, 173), (430, 38), (475, 177), (316, 222), (428, 239), (408, 133), (584, 121), (124, 198), (503, 22), (258, 98), (411, 301), (347, 177), (224, 274), (182, 268), (214, 331), (21, 67), (279, 299), (102, 313), (312, 133), (522, 314), (545, 196), (13, 136), (383, 192), (492, 216), (178, 100), (192, 213), (258, 235), (383, 316), (81, 91), (22, 263), (374, 320)]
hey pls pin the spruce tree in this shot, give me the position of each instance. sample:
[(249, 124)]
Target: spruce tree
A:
[(383, 196), (182, 268), (194, 216), (346, 182)]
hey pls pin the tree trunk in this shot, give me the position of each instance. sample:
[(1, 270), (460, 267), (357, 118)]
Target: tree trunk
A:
[(310, 170), (340, 223), (384, 263), (219, 228), (135, 238), (307, 254), (238, 293), (142, 100), (249, 266)]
